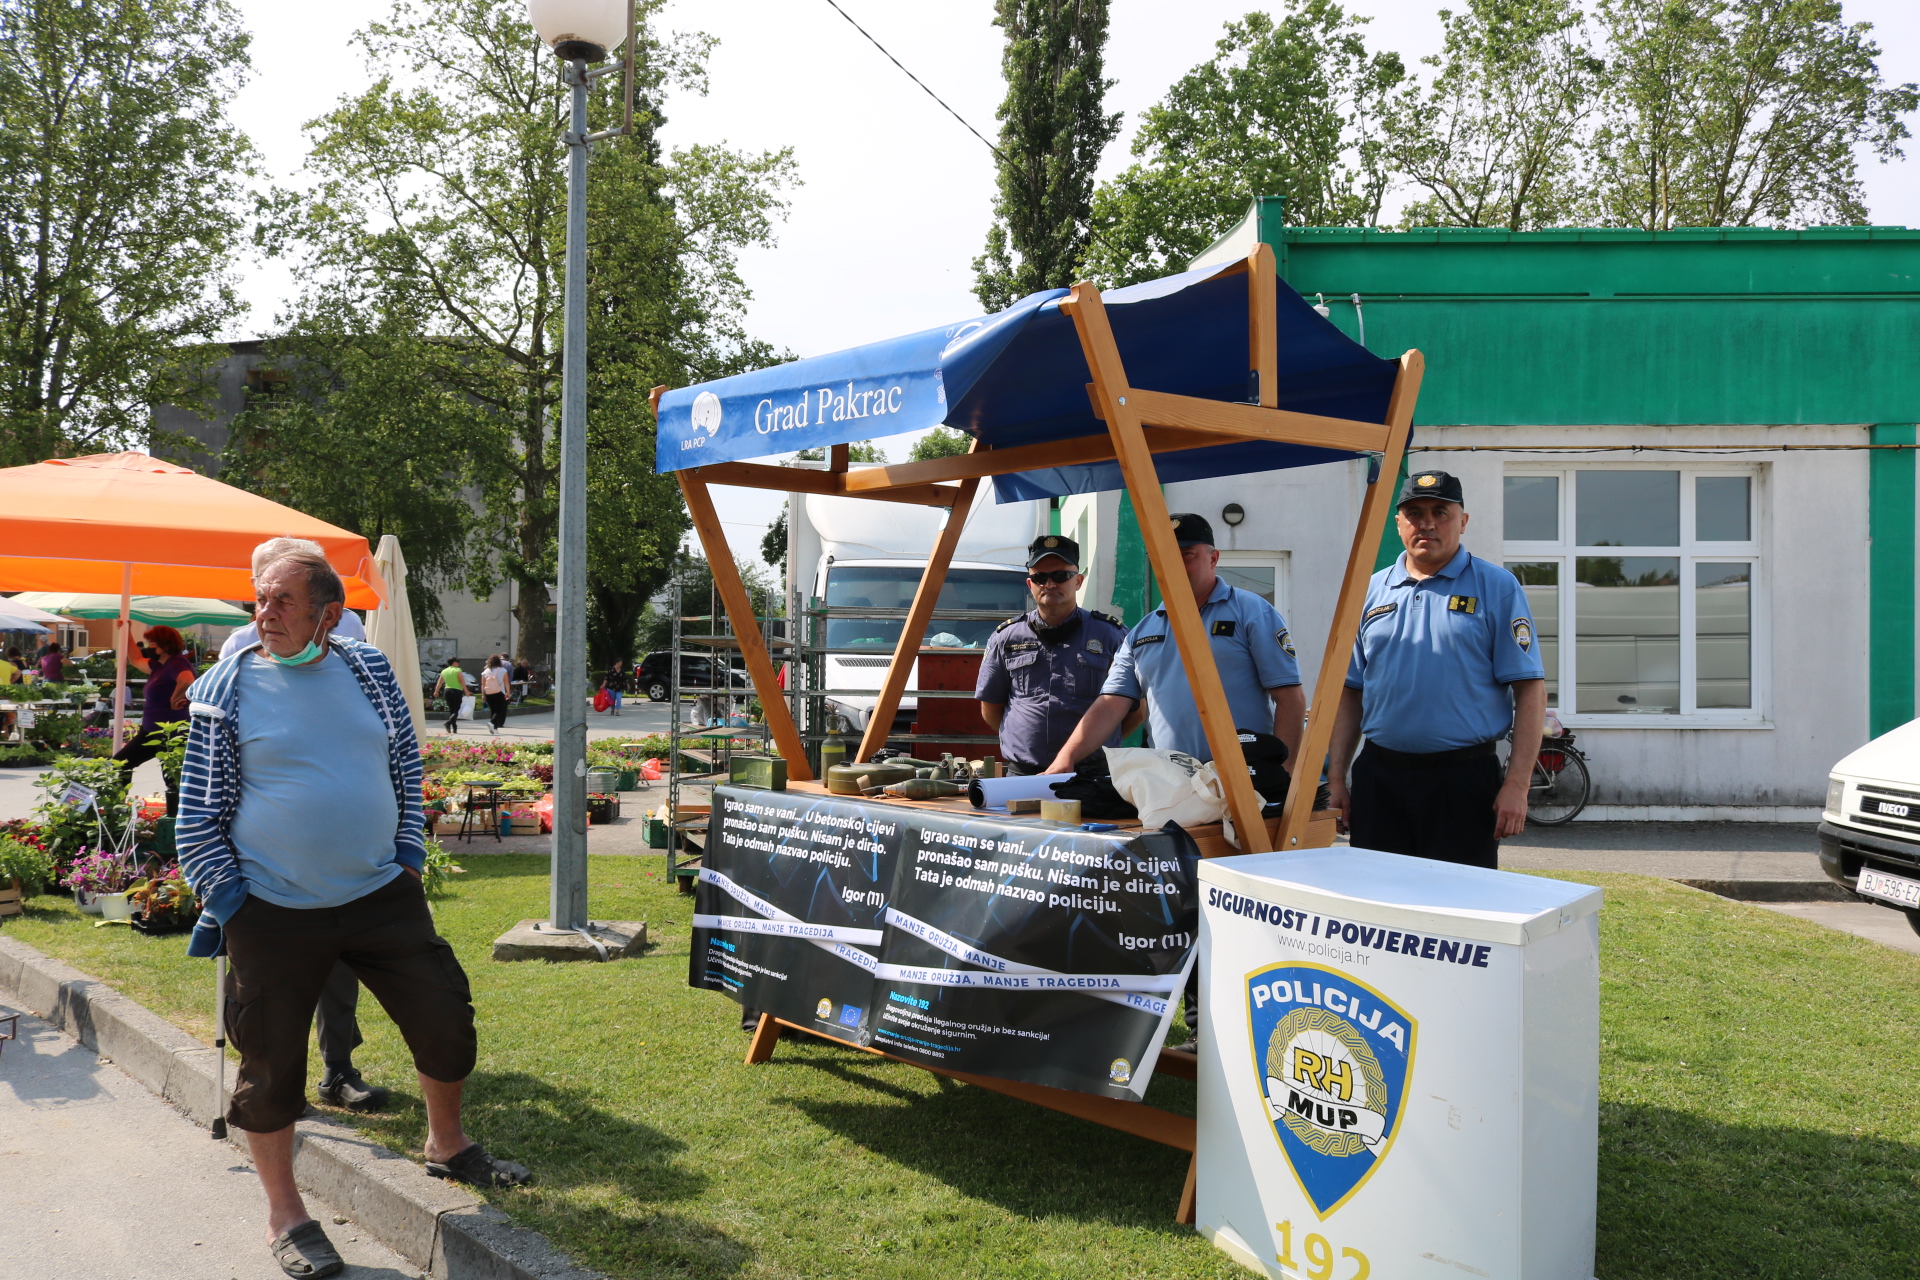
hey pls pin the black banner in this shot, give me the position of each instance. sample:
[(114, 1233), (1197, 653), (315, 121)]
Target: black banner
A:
[(992, 945), (791, 903)]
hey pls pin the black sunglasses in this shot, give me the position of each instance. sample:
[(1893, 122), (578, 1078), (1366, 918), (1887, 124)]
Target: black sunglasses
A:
[(1058, 575)]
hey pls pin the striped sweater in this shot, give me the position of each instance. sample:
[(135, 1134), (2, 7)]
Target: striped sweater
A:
[(210, 783)]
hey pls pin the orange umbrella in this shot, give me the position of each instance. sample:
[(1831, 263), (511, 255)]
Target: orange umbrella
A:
[(75, 524), (130, 524)]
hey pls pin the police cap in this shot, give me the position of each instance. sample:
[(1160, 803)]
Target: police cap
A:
[(1431, 484), (1189, 529), (1052, 544)]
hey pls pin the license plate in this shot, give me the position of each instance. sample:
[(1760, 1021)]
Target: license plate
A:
[(1878, 884), (1909, 809)]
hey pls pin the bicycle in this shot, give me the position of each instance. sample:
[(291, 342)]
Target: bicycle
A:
[(1560, 785)]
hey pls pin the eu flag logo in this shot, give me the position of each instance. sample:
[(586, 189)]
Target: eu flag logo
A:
[(850, 1015)]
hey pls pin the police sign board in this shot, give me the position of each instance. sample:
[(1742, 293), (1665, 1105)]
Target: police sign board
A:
[(1399, 1067)]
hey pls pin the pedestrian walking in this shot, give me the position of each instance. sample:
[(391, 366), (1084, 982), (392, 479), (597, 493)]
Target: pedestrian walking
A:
[(163, 703), (1445, 664), (311, 724), (493, 687), (452, 685), (618, 678)]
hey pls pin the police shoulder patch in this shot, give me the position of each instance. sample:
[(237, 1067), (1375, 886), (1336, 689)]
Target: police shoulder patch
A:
[(1523, 634), (1285, 638)]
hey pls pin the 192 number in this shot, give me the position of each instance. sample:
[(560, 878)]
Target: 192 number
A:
[(1321, 1262)]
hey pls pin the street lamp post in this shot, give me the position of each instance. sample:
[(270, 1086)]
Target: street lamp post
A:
[(580, 32)]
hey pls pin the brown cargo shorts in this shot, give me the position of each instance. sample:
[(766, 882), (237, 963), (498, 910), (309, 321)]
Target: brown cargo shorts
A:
[(278, 961)]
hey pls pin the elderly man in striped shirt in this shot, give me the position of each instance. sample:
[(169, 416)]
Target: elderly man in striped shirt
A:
[(300, 829)]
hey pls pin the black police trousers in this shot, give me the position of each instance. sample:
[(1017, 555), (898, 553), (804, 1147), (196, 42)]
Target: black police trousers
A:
[(1424, 808)]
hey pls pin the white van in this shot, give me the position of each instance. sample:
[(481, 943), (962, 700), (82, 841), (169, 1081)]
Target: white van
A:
[(1870, 832)]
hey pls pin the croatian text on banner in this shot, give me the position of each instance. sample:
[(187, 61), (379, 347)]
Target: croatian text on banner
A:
[(1010, 948)]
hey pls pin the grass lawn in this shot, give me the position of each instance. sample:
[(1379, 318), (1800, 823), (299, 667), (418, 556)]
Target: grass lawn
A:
[(1757, 1115)]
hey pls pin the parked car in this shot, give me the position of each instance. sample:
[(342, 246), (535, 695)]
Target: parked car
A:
[(1870, 832), (696, 673)]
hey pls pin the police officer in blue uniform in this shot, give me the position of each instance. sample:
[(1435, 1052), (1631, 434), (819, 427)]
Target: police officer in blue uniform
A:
[(1251, 647), (1445, 664), (1043, 669)]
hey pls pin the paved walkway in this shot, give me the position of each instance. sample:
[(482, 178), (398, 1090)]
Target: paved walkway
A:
[(99, 1178), (1677, 850)]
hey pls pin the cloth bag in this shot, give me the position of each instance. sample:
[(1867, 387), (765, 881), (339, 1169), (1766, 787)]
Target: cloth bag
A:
[(468, 708), (1167, 786)]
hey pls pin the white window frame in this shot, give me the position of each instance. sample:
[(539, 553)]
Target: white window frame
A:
[(1281, 562), (1690, 551)]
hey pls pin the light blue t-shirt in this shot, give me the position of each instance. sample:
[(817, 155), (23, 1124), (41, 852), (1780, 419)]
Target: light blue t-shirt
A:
[(317, 815), (1251, 648), (1435, 656)]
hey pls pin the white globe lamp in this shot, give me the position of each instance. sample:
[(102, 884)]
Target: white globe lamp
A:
[(580, 30)]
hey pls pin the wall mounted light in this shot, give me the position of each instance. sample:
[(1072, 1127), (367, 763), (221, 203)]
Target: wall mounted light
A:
[(1233, 513)]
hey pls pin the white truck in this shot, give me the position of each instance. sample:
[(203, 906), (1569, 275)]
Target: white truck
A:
[(1870, 832), (860, 554)]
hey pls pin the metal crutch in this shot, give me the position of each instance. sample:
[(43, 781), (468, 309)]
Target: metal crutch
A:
[(220, 1047)]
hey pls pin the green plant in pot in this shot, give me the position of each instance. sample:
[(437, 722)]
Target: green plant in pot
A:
[(26, 867), (69, 827)]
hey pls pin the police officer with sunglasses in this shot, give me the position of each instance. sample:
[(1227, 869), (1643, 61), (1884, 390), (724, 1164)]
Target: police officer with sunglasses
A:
[(1043, 669)]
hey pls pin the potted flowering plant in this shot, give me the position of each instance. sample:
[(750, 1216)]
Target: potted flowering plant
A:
[(93, 875), (164, 902)]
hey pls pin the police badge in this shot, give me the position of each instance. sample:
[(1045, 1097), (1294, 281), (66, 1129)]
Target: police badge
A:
[(1332, 1058)]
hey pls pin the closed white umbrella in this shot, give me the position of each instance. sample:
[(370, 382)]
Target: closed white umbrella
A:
[(17, 610), (390, 629)]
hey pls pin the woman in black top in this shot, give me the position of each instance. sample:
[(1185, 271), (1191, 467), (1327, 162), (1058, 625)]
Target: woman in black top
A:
[(618, 678)]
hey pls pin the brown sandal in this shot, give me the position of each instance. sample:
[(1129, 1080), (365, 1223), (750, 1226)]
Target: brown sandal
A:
[(476, 1168), (305, 1253)]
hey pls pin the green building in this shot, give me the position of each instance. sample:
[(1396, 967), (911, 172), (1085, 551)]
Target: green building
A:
[(1679, 440)]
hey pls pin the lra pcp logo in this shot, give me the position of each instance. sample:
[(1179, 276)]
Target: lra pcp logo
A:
[(1331, 1058)]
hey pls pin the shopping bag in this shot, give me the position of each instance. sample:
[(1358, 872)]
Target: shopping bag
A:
[(602, 700), (467, 705), (650, 769), (1167, 786)]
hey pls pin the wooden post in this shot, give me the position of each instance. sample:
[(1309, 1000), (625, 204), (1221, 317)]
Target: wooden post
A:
[(1263, 300), (1327, 689), (880, 723), (766, 1035), (1156, 529), (746, 626)]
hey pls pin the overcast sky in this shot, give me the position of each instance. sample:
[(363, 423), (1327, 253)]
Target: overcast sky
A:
[(896, 195)]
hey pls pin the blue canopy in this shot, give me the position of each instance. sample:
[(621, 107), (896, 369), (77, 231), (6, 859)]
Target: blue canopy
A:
[(1019, 377)]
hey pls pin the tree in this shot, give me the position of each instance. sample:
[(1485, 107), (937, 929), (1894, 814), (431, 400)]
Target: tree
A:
[(120, 187), (858, 451), (940, 443), (1051, 135), (441, 194), (366, 435), (1289, 108), (773, 543), (1494, 140), (1736, 112)]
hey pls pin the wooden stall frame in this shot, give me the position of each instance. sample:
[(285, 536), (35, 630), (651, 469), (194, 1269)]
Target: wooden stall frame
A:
[(1139, 425)]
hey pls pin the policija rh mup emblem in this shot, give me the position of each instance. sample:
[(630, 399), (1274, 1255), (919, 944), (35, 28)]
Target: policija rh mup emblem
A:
[(1332, 1058)]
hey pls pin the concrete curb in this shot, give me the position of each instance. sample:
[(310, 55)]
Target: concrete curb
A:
[(438, 1226), (1777, 890)]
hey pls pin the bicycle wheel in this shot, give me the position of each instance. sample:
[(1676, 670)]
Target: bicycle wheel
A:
[(1555, 799)]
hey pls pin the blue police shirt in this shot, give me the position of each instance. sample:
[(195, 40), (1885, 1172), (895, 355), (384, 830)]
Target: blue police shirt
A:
[(1251, 648), (1434, 657), (1045, 688)]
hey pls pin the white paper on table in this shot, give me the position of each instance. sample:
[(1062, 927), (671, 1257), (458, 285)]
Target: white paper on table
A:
[(993, 793)]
